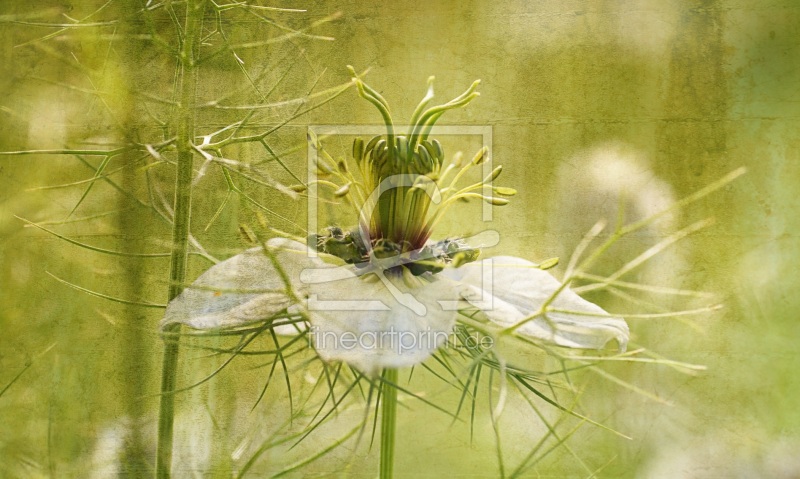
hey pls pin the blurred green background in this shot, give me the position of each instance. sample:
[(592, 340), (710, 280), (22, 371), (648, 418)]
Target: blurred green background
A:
[(594, 106)]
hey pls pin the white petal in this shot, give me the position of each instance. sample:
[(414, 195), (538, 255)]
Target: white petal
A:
[(510, 289), (243, 289), (360, 321)]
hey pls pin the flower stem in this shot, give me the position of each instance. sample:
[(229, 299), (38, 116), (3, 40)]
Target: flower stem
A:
[(180, 231), (388, 422)]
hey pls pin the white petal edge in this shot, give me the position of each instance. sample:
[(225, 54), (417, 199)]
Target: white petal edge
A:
[(509, 290), (244, 289)]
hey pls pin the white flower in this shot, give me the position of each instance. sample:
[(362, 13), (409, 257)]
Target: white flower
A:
[(379, 320), (398, 300)]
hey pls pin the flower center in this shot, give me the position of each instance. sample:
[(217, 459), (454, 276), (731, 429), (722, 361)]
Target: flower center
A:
[(388, 256), (404, 188)]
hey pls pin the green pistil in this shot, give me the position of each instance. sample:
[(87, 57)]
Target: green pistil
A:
[(401, 210), (401, 213)]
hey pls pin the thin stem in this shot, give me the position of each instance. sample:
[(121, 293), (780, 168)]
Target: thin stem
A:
[(388, 422), (180, 231)]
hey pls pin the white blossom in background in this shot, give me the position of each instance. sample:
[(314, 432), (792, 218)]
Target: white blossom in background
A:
[(615, 179)]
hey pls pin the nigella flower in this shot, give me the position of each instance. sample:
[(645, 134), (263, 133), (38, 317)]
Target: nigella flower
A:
[(384, 294)]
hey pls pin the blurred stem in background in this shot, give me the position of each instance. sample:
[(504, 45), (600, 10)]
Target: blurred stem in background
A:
[(133, 344), (132, 223), (180, 232)]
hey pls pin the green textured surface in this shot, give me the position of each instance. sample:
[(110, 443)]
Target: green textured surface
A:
[(674, 93)]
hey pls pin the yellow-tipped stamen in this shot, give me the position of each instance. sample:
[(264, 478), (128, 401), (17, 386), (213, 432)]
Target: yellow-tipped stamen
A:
[(479, 158), (343, 190)]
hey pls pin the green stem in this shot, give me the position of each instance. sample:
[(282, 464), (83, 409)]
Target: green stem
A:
[(388, 422), (180, 231)]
